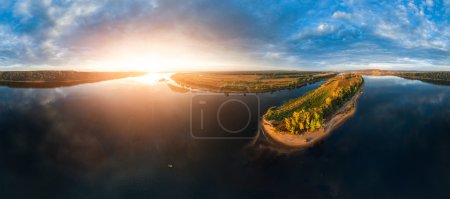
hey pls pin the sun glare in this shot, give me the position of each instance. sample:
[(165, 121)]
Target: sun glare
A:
[(153, 78), (161, 53)]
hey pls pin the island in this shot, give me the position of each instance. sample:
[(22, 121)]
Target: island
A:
[(248, 81), (54, 79), (305, 120)]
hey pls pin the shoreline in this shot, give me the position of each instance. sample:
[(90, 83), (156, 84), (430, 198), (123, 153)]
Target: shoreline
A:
[(310, 138), (55, 79)]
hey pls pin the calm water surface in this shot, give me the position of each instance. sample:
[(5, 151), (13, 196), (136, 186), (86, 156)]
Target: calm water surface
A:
[(131, 138)]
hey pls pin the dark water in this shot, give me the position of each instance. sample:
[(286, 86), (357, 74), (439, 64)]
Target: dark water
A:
[(131, 138)]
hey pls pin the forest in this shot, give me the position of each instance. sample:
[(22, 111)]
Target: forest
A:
[(437, 77)]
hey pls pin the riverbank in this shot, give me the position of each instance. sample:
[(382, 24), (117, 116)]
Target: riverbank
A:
[(310, 138)]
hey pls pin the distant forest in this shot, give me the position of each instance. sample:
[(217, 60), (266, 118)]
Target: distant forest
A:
[(431, 77)]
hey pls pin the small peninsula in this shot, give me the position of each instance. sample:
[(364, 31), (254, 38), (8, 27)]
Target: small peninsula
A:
[(303, 121)]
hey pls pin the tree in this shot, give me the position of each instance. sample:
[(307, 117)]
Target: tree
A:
[(328, 101), (318, 124), (301, 126), (313, 125), (296, 116), (287, 124)]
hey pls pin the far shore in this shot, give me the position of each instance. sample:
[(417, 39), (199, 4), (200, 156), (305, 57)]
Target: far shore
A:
[(310, 138), (55, 79)]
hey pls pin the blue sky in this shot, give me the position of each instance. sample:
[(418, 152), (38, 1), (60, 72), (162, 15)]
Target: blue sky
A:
[(160, 35)]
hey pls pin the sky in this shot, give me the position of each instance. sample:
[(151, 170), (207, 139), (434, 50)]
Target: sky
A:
[(168, 35)]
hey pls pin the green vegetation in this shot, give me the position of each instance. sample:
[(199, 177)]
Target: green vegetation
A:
[(309, 112), (248, 81), (52, 79), (431, 77)]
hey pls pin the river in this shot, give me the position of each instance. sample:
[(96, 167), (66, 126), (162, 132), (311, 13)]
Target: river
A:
[(138, 138)]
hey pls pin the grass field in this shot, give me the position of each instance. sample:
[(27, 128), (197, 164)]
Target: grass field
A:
[(248, 81)]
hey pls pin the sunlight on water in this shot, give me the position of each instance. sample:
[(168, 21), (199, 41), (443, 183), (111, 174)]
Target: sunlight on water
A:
[(154, 78)]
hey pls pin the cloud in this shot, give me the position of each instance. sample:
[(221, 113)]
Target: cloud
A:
[(304, 35), (341, 15)]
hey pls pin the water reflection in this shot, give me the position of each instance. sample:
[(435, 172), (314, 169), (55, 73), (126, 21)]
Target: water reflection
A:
[(131, 138)]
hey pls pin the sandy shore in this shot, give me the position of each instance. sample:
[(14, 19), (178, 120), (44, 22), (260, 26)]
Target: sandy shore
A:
[(310, 138)]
